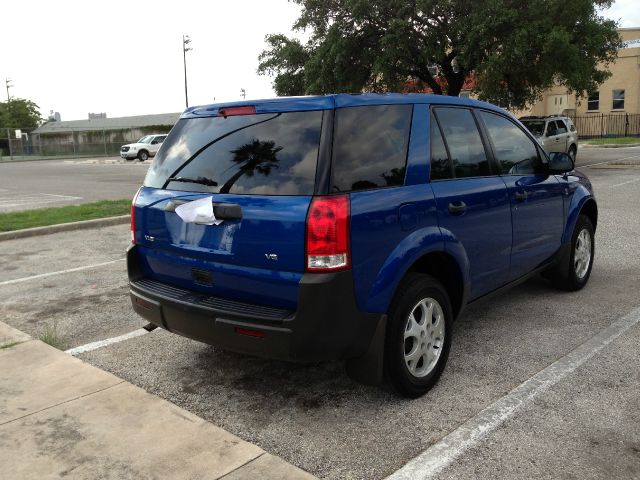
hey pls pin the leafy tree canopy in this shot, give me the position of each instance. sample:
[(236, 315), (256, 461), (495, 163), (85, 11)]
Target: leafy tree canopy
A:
[(514, 49), (19, 113)]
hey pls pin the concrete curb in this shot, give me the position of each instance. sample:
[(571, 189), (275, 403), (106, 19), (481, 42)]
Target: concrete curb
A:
[(608, 145), (65, 227)]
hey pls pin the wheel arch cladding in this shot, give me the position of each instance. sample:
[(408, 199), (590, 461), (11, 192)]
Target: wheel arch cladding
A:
[(582, 203), (444, 268), (590, 209)]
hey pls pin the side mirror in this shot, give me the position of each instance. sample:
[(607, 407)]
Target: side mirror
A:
[(560, 162)]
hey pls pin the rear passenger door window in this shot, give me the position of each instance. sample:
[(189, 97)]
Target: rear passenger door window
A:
[(513, 149), (560, 127), (370, 147), (440, 162), (464, 143)]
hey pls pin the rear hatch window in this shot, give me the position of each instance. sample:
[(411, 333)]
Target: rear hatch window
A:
[(261, 166), (260, 154)]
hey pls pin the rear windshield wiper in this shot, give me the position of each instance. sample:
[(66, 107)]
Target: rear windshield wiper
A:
[(200, 180)]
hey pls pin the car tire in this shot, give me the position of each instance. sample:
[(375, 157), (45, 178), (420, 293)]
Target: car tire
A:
[(574, 269), (416, 349), (143, 155), (573, 153)]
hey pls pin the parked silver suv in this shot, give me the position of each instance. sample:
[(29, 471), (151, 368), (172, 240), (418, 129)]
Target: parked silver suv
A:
[(555, 133)]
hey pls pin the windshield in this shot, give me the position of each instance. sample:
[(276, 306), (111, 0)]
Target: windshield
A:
[(145, 139), (535, 126), (262, 154)]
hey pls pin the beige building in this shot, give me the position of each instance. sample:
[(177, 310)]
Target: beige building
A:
[(619, 94)]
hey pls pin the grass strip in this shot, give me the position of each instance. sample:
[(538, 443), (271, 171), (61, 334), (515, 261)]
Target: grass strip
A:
[(42, 217)]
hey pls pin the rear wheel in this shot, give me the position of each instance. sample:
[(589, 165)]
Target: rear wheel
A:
[(572, 273), (143, 155), (418, 335)]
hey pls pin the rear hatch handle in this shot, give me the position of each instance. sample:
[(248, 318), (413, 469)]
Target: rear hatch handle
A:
[(222, 211)]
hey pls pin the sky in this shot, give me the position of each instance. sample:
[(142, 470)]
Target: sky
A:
[(125, 57)]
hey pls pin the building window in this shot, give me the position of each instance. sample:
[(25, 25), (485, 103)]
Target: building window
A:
[(594, 101), (618, 100), (464, 95)]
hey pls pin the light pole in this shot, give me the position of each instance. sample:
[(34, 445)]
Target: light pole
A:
[(7, 82), (243, 93), (185, 41)]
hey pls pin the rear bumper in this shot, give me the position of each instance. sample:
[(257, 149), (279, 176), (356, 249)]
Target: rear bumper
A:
[(326, 326)]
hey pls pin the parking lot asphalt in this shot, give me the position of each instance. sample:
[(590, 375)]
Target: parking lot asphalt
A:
[(55, 183), (586, 425)]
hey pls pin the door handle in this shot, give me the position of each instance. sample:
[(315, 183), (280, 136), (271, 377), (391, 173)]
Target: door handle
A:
[(222, 211), (457, 207), (521, 196)]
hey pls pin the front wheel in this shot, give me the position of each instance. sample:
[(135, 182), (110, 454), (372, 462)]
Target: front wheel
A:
[(418, 335), (573, 153), (143, 155), (573, 272)]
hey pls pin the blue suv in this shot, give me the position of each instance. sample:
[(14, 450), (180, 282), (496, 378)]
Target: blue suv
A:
[(350, 227)]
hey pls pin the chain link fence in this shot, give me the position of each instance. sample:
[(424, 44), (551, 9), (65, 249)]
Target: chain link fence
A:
[(28, 143)]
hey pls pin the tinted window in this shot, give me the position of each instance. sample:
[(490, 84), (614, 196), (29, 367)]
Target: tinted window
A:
[(370, 146), (514, 150), (266, 154), (463, 139), (440, 164)]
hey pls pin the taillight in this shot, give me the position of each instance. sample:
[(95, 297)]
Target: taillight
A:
[(327, 248), (133, 216)]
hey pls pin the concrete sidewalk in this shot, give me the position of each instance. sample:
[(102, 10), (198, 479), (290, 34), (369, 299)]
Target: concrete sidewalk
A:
[(60, 417)]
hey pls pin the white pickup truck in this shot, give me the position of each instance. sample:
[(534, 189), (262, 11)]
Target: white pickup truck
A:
[(144, 148)]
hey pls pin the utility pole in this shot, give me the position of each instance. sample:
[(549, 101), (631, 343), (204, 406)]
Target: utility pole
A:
[(185, 41), (243, 93), (7, 82)]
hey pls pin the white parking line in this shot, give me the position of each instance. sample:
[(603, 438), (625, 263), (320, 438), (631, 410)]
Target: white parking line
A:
[(625, 183), (607, 161), (103, 343), (8, 201), (31, 202), (444, 452), (59, 272), (11, 198)]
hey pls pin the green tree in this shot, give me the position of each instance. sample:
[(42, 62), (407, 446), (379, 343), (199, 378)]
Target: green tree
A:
[(19, 113), (515, 50)]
